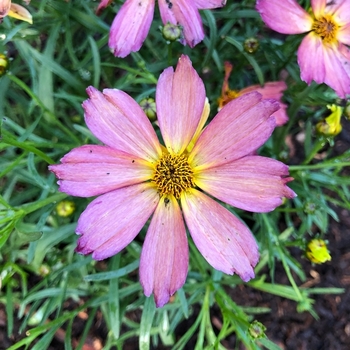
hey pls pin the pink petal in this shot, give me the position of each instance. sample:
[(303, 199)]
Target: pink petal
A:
[(337, 63), (185, 14), (4, 7), (251, 183), (112, 221), (130, 27), (224, 241), (273, 90), (120, 123), (180, 99), (240, 128), (286, 16), (311, 59), (344, 34), (209, 4), (92, 170), (164, 257), (318, 7), (102, 5), (340, 9)]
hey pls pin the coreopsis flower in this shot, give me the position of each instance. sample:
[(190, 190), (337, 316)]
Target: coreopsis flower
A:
[(322, 55), (271, 90), (136, 177), (317, 252), (133, 21), (7, 8), (331, 126)]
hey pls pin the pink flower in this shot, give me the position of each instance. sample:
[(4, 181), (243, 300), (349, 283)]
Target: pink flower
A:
[(15, 11), (132, 23), (271, 90), (136, 177), (322, 55)]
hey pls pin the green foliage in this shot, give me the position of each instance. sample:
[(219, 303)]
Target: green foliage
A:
[(51, 64)]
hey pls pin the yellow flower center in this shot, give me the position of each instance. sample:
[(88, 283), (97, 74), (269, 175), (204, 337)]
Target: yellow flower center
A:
[(173, 175), (227, 97), (326, 28)]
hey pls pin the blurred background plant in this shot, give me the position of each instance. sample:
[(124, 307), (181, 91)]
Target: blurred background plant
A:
[(46, 288)]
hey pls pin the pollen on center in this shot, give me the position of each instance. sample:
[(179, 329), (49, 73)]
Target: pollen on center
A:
[(326, 28), (173, 175)]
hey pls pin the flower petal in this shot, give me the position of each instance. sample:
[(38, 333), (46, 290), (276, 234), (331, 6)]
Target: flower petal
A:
[(164, 257), (112, 221), (185, 14), (20, 12), (252, 183), (286, 16), (337, 63), (311, 59), (119, 122), (273, 89), (340, 9), (240, 128), (91, 170), (180, 100), (224, 241), (318, 7), (4, 7), (131, 26), (344, 34), (209, 4)]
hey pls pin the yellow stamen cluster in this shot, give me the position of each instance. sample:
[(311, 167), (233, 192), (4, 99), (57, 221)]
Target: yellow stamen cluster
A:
[(326, 28), (173, 175), (227, 97)]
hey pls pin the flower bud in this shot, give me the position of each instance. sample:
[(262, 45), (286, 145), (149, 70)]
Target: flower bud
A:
[(317, 252), (4, 64), (256, 330), (171, 32), (65, 208), (149, 107), (251, 45)]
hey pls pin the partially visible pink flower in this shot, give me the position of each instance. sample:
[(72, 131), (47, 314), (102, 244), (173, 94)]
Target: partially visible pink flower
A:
[(133, 21), (322, 55), (135, 178), (271, 90), (15, 11)]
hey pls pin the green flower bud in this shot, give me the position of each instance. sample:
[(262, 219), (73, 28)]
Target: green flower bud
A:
[(251, 45), (256, 330), (149, 107), (171, 32)]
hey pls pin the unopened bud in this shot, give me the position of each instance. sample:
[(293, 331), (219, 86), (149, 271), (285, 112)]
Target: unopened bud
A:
[(251, 45), (171, 32), (256, 330), (317, 252), (149, 107), (65, 208)]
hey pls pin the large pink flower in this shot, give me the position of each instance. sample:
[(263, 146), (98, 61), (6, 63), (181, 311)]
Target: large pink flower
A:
[(132, 23), (323, 55), (136, 177)]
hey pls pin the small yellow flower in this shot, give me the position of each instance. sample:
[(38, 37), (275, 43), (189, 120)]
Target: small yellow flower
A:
[(317, 252), (331, 126), (65, 208), (4, 64)]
